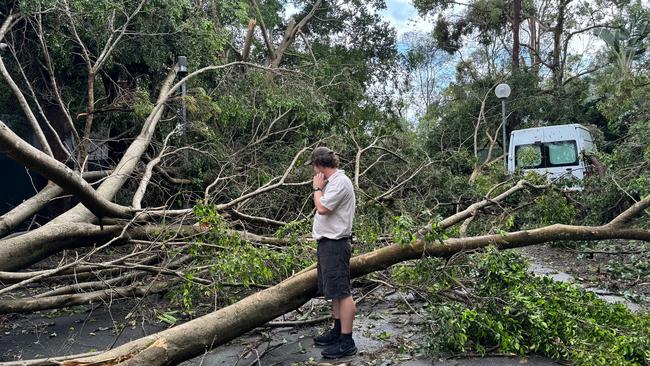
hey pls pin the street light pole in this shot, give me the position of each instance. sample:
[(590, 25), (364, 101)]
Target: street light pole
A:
[(182, 72), (503, 129), (502, 92)]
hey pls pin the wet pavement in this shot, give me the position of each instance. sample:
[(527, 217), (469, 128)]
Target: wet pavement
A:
[(540, 269), (387, 331), (70, 331)]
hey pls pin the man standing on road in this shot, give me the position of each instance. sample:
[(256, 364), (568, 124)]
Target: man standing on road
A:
[(335, 204)]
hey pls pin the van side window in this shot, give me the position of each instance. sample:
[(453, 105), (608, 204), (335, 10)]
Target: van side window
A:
[(529, 156), (546, 155)]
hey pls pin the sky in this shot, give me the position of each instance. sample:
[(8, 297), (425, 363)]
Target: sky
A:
[(404, 18), (402, 15), (399, 13)]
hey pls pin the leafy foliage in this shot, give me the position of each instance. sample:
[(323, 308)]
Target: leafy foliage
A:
[(229, 261), (514, 311)]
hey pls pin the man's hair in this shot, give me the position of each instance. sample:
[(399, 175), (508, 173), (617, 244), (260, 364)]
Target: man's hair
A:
[(324, 157)]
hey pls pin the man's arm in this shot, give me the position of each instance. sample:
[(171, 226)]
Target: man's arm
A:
[(318, 185), (319, 206)]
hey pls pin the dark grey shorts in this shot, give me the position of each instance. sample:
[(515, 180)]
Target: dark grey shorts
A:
[(334, 268)]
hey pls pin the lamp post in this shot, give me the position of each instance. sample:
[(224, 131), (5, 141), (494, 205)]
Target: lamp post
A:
[(503, 91), (182, 72)]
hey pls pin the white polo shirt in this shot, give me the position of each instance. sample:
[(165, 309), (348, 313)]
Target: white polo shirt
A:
[(338, 197)]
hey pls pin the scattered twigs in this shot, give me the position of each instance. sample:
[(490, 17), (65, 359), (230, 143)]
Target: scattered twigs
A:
[(373, 145), (389, 193), (297, 323)]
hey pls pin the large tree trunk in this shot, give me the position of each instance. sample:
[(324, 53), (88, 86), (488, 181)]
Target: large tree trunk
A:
[(191, 339), (558, 30), (516, 23), (534, 45)]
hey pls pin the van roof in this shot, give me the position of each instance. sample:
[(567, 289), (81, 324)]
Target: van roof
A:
[(555, 127)]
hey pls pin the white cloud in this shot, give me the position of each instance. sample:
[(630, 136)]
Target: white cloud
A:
[(405, 18)]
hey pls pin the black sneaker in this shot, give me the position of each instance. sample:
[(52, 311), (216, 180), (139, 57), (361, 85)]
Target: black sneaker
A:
[(340, 349), (327, 338)]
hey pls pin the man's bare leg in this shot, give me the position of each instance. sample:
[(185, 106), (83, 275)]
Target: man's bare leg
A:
[(346, 310)]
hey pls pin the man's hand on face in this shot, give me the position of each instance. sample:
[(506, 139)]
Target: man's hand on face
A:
[(319, 181)]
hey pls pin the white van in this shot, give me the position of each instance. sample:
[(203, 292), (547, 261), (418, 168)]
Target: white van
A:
[(553, 150)]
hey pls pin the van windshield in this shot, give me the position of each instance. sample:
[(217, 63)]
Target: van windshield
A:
[(546, 155)]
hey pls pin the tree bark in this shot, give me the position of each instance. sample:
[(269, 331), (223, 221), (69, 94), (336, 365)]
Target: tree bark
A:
[(558, 68), (90, 115), (248, 41), (533, 45), (516, 22), (7, 23)]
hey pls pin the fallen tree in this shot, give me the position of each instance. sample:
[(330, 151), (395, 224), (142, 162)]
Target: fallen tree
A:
[(191, 339), (31, 247)]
